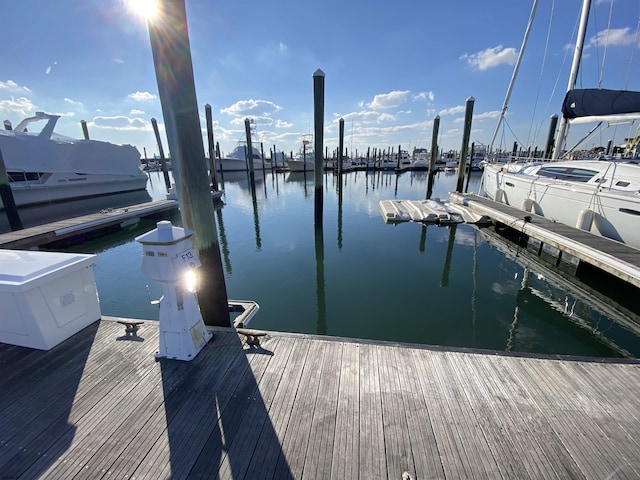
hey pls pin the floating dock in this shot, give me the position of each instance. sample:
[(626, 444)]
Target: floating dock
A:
[(565, 243), (298, 406), (34, 237)]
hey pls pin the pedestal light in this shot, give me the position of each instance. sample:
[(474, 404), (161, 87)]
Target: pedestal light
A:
[(169, 258)]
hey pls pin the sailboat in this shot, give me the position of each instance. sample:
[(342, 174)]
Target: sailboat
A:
[(600, 195)]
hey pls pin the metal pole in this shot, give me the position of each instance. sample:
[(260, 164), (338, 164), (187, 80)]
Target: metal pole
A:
[(85, 130), (169, 38), (466, 134), (318, 121), (577, 55)]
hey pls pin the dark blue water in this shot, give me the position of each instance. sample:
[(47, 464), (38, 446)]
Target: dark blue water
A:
[(451, 286)]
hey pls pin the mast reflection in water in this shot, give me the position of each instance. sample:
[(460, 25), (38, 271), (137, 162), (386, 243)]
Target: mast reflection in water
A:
[(452, 286)]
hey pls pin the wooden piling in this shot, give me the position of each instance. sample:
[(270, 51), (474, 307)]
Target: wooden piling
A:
[(398, 162), (340, 149), (7, 125), (7, 198), (211, 146), (318, 121), (169, 38), (468, 116), (434, 154), (249, 153), (163, 161)]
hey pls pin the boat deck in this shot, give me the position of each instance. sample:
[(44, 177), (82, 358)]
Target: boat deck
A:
[(33, 237), (613, 257), (299, 406)]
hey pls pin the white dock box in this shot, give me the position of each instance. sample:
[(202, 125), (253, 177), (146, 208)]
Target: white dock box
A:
[(45, 297)]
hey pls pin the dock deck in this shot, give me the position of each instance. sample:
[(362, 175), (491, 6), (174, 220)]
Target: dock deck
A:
[(34, 237), (299, 406), (615, 258)]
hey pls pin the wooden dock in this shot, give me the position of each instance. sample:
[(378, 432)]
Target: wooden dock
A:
[(615, 258), (98, 406), (34, 237)]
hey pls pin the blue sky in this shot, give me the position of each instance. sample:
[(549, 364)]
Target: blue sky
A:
[(390, 67)]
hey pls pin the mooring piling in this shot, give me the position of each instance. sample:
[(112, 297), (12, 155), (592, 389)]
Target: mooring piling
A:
[(318, 121), (466, 134), (169, 37), (210, 144), (163, 161)]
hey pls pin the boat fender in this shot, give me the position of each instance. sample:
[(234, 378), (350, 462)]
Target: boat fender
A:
[(528, 205), (585, 219), (500, 195)]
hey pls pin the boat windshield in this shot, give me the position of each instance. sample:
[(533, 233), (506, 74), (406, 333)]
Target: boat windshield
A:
[(572, 174)]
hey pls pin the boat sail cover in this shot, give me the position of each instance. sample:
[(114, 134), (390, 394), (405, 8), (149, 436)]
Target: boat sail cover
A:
[(598, 102)]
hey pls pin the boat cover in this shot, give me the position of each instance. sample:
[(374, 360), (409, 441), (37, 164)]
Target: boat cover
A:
[(587, 102)]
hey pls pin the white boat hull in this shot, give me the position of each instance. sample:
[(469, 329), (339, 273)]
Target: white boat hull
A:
[(46, 167), (300, 166), (62, 187), (236, 165), (604, 212)]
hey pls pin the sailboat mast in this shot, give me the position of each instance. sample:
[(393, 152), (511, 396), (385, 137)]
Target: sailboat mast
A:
[(563, 130), (514, 75)]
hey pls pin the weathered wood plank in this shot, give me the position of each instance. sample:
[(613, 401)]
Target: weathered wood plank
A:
[(347, 436), (265, 460), (371, 459), (296, 438), (317, 463)]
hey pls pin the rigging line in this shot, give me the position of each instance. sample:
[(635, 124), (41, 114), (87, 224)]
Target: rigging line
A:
[(512, 132), (636, 40), (606, 45), (531, 140)]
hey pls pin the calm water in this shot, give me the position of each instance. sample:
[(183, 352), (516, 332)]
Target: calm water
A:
[(363, 278)]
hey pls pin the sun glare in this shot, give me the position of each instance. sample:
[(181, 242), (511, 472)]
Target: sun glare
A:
[(145, 9)]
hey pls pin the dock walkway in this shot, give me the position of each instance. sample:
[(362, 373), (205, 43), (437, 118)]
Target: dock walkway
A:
[(300, 406), (33, 237), (618, 259)]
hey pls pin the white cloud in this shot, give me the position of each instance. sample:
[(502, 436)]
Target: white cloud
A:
[(492, 115), (20, 106), (424, 96), (13, 87), (283, 124), (251, 108), (453, 110), (390, 100), (366, 117), (491, 57), (121, 122), (74, 103), (118, 60), (136, 112), (613, 36), (283, 48), (141, 96)]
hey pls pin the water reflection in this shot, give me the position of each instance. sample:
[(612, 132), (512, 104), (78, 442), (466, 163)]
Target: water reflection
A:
[(454, 285)]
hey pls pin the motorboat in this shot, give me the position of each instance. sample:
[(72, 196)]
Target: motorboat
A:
[(236, 161), (46, 167), (597, 195), (600, 196), (305, 160)]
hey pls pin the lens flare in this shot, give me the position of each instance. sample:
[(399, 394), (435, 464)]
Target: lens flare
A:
[(145, 9), (191, 281)]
